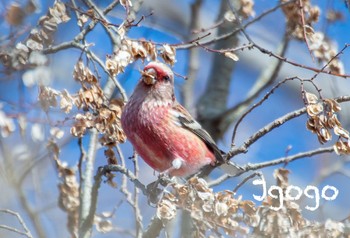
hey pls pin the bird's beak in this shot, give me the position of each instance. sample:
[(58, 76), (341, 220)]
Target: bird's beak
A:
[(149, 76)]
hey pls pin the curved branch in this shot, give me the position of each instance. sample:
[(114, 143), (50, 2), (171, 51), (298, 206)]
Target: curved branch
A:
[(265, 79), (288, 159), (74, 44), (282, 160), (26, 230), (125, 171), (269, 127), (235, 31)]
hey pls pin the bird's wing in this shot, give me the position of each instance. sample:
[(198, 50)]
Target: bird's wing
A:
[(183, 118)]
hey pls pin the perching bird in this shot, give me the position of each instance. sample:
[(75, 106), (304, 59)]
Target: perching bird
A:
[(162, 131)]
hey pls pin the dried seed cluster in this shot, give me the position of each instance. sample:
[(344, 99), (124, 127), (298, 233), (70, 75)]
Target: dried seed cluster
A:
[(68, 188), (293, 13), (102, 115), (323, 119), (7, 124), (18, 57), (131, 51), (288, 221), (210, 211), (321, 47), (217, 213), (246, 8)]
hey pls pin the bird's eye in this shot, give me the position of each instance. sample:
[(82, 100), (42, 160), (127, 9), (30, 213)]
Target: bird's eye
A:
[(166, 78)]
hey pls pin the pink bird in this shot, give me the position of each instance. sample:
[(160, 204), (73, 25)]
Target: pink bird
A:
[(162, 131)]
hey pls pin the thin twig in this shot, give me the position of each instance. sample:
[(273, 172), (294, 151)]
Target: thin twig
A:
[(333, 58), (266, 78), (226, 35), (267, 95), (81, 159), (282, 160), (92, 24), (128, 173), (288, 159), (221, 51), (73, 44), (26, 230), (261, 49), (138, 216), (89, 192), (246, 180), (269, 127), (301, 8), (105, 23), (124, 185), (132, 201), (34, 217), (317, 70), (5, 227), (263, 131), (202, 30)]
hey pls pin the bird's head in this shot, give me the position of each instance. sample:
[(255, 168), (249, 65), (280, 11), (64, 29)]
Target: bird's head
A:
[(157, 81), (157, 74)]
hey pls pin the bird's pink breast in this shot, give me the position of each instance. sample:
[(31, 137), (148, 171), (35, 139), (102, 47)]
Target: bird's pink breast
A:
[(158, 140)]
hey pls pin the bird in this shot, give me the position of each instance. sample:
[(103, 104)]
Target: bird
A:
[(162, 131)]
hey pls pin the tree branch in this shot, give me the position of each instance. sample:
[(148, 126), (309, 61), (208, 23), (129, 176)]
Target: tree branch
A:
[(19, 218), (269, 127), (283, 160), (127, 173), (193, 61), (213, 101), (287, 159), (85, 213), (154, 228), (226, 35), (265, 79)]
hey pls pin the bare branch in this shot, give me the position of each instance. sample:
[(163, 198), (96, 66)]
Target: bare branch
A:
[(92, 24), (26, 230), (334, 57), (138, 216), (154, 228), (73, 44), (268, 128), (316, 70), (133, 201), (267, 95), (236, 30), (266, 78), (112, 35), (283, 160), (85, 215), (214, 99), (288, 159), (125, 171), (193, 61), (246, 180)]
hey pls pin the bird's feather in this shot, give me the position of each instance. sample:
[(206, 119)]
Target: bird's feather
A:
[(181, 117)]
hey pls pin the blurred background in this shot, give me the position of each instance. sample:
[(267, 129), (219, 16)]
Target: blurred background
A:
[(28, 174)]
